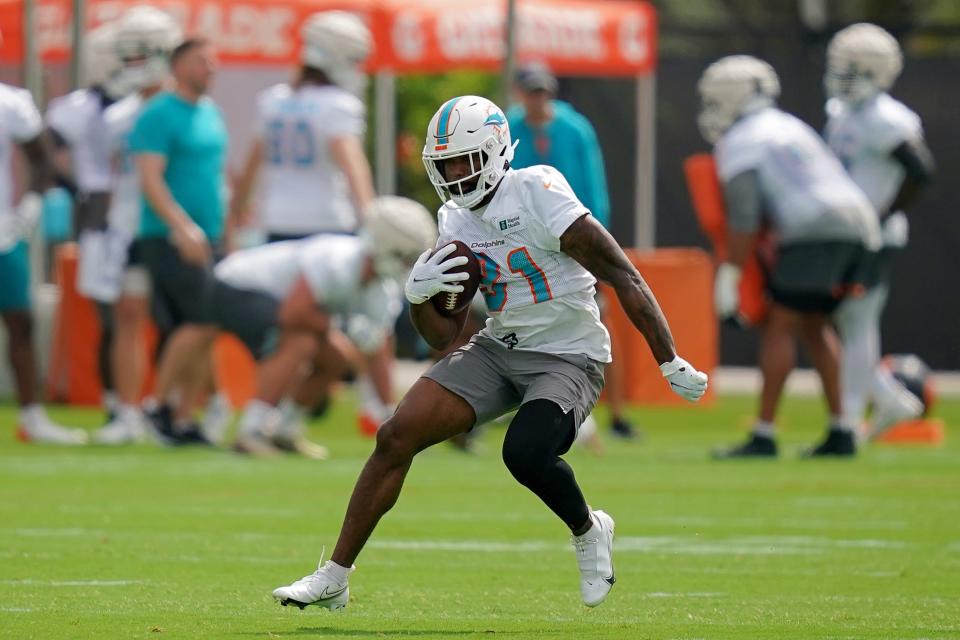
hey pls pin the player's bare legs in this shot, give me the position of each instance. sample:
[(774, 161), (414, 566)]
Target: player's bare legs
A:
[(428, 414), (823, 346), (35, 425), (20, 353), (778, 355)]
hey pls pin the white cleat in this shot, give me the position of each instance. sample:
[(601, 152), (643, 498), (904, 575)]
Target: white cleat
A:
[(894, 408), (217, 418), (318, 589), (595, 559), (48, 432), (121, 431)]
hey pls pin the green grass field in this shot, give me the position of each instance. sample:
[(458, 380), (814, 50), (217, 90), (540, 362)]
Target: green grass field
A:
[(147, 542)]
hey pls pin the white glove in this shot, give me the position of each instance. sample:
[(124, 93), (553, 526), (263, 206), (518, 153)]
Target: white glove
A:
[(28, 212), (428, 277), (895, 230), (726, 290), (685, 381)]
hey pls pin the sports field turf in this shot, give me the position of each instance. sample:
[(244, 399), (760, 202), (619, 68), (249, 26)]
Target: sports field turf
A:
[(147, 542)]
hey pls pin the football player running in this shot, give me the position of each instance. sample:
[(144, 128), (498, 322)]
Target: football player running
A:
[(77, 130), (288, 301), (145, 37), (543, 348), (21, 125), (880, 142), (776, 171)]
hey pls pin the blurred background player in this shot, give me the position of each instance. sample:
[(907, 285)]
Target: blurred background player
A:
[(776, 171), (78, 132), (880, 142), (543, 349), (144, 41), (309, 158), (551, 132), (292, 302), (21, 124), (179, 143)]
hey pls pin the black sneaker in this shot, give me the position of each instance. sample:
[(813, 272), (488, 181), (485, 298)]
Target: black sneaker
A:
[(623, 429), (839, 442), (161, 419), (192, 434), (756, 447)]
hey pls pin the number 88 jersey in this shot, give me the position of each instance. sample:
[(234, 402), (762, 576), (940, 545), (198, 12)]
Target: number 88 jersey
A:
[(304, 190), (539, 298)]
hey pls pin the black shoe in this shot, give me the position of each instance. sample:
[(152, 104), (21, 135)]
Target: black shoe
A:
[(161, 419), (623, 429), (756, 447), (192, 434), (839, 442)]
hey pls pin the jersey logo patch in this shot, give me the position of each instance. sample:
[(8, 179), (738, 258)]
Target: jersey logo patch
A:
[(547, 183), (509, 225)]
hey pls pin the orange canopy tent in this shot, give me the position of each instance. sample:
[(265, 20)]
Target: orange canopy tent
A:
[(575, 37)]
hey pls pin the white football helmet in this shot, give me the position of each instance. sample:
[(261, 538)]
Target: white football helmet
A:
[(101, 63), (337, 43), (862, 60), (398, 230), (733, 87), (474, 127), (145, 38)]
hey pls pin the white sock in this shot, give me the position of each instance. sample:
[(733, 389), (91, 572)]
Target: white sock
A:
[(129, 413), (150, 404), (219, 401), (338, 573), (841, 424), (254, 419), (370, 402), (110, 401), (764, 429), (291, 419), (32, 415)]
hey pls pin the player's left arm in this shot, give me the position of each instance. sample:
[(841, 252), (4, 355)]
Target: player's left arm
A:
[(918, 165), (587, 242), (347, 152), (245, 183)]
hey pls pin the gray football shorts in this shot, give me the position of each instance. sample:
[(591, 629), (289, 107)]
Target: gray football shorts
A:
[(494, 380)]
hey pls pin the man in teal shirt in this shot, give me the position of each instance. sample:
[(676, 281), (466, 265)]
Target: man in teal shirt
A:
[(180, 142), (551, 132)]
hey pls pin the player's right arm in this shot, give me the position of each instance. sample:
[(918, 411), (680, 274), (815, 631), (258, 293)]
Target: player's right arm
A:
[(347, 152), (439, 331)]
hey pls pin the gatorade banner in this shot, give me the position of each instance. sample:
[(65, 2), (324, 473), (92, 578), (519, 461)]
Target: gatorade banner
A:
[(574, 37)]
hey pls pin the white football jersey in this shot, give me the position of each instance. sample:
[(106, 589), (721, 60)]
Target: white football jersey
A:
[(539, 298), (19, 122), (125, 204), (78, 118), (807, 193), (304, 190), (864, 138), (333, 266)]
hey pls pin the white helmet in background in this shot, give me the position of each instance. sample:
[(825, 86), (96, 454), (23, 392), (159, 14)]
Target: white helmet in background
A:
[(474, 127), (145, 38), (337, 43), (731, 88), (398, 230), (101, 63), (862, 60)]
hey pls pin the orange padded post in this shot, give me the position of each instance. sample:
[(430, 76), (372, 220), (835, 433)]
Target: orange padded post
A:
[(73, 374), (234, 369), (706, 193), (682, 280)]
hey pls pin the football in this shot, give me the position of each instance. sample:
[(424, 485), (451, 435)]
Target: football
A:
[(450, 304)]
